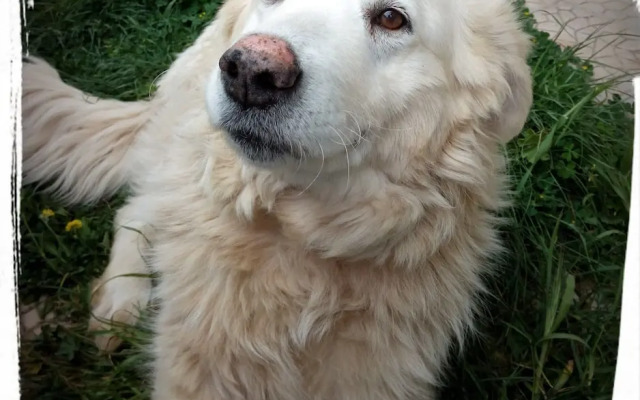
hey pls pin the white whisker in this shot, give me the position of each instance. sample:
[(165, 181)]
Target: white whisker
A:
[(319, 171), (359, 132), (346, 153), (300, 158)]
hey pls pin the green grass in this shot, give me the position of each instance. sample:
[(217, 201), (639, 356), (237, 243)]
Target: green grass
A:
[(555, 308)]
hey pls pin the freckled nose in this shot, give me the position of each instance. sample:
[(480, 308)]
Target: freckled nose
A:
[(259, 70)]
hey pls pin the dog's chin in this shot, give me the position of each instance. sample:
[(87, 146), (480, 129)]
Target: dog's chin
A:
[(256, 137), (256, 147)]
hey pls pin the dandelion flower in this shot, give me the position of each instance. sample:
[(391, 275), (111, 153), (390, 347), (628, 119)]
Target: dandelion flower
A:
[(47, 212), (73, 225)]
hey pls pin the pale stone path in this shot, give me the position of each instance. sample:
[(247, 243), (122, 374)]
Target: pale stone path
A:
[(614, 28)]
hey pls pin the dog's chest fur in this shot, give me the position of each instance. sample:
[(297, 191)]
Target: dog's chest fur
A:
[(246, 304), (255, 306)]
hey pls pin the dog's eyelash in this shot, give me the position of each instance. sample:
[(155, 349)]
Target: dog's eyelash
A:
[(380, 6)]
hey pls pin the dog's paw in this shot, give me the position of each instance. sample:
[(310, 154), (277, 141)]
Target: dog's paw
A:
[(116, 301), (33, 317)]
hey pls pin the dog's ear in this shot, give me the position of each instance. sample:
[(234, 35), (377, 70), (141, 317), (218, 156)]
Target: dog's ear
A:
[(491, 59), (510, 118)]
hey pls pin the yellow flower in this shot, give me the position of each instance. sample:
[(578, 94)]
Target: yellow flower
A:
[(527, 13), (47, 212), (585, 67), (73, 225), (202, 15)]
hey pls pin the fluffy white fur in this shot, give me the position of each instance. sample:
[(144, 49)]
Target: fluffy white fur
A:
[(346, 274)]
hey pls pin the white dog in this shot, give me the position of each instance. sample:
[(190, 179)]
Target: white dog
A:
[(315, 182)]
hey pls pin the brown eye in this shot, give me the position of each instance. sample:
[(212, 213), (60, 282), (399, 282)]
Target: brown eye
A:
[(391, 19)]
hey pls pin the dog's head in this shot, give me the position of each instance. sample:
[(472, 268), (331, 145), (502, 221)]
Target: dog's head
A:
[(331, 82)]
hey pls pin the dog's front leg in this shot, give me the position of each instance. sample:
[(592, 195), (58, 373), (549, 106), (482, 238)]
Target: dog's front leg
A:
[(124, 288), (219, 368)]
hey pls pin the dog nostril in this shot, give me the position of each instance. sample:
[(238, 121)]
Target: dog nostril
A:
[(264, 80), (232, 69), (278, 80), (229, 63)]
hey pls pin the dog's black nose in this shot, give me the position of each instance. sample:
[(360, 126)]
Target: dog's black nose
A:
[(259, 70)]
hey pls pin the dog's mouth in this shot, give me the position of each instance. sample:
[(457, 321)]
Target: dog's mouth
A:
[(262, 136), (258, 146)]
